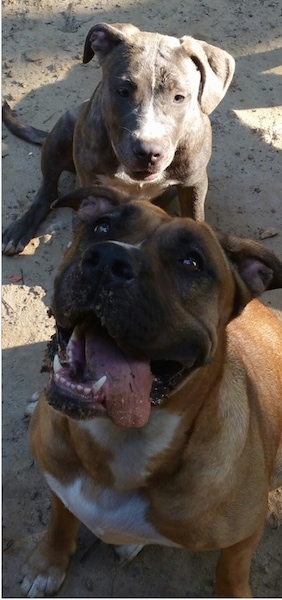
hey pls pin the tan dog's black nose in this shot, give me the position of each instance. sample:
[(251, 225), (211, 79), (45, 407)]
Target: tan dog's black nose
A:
[(117, 263)]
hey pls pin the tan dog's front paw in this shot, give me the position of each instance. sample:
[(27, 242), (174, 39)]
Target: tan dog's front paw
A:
[(127, 552), (43, 574), (42, 584), (44, 570), (30, 407)]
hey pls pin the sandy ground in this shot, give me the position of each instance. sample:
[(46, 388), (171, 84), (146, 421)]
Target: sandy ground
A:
[(43, 76)]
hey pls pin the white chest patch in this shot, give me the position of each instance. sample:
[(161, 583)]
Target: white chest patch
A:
[(115, 518), (117, 515), (132, 449), (137, 190)]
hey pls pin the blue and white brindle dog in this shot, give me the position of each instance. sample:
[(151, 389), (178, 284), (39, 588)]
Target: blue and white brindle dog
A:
[(144, 131)]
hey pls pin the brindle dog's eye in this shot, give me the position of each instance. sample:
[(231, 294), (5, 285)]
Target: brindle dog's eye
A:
[(191, 263), (123, 92), (102, 227), (179, 98)]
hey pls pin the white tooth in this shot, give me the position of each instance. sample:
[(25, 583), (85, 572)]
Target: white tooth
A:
[(97, 386), (69, 355), (75, 335), (56, 364), (73, 386), (79, 388), (87, 390)]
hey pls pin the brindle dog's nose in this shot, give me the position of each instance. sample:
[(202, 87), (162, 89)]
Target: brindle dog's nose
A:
[(148, 152), (118, 262)]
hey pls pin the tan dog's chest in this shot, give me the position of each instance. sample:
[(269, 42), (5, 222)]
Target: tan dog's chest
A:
[(136, 508), (117, 514), (115, 517)]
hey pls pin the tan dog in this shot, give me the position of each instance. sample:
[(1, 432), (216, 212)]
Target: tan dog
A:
[(162, 421)]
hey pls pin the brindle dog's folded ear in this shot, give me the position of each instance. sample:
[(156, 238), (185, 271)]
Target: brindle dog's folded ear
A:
[(255, 267), (102, 39), (90, 202), (216, 67)]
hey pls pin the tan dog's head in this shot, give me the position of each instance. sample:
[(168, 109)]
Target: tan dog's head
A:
[(141, 301), (154, 90)]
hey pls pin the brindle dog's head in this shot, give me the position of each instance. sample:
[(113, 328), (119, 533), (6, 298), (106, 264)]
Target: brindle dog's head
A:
[(154, 89), (141, 300)]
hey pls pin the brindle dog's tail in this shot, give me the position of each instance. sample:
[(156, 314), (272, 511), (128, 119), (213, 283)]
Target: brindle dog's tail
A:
[(25, 132)]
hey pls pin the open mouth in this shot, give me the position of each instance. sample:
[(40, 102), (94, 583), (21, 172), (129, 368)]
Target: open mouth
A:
[(144, 175), (93, 376)]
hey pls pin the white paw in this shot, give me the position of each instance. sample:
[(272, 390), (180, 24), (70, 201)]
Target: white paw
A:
[(127, 552), (41, 585), (30, 407)]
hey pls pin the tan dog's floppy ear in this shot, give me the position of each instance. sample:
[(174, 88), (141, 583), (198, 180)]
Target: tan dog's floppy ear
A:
[(216, 67), (89, 202), (253, 265), (102, 38)]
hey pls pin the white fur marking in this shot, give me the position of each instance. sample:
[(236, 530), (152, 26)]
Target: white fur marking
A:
[(118, 515), (133, 448), (150, 128), (137, 190), (116, 518)]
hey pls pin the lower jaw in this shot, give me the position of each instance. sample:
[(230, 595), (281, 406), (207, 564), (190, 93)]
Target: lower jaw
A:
[(83, 408), (143, 176), (73, 406)]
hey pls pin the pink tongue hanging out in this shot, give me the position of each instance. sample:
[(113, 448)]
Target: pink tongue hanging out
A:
[(128, 385)]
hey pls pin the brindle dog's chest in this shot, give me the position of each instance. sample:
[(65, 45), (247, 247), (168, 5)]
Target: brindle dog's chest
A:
[(136, 190)]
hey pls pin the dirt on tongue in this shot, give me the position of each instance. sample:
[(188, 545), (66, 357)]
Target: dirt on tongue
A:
[(129, 381)]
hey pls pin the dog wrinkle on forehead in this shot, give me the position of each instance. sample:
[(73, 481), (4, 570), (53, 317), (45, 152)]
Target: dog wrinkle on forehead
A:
[(152, 44), (153, 52), (157, 75), (136, 218), (177, 232), (171, 57)]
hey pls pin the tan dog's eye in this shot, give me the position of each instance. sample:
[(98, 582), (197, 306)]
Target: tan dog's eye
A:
[(191, 263), (102, 227)]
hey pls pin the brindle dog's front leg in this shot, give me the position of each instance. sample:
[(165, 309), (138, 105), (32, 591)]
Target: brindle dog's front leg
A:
[(56, 157), (45, 568), (192, 199)]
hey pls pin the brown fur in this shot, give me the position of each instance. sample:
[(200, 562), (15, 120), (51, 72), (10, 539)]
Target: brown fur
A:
[(203, 464)]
